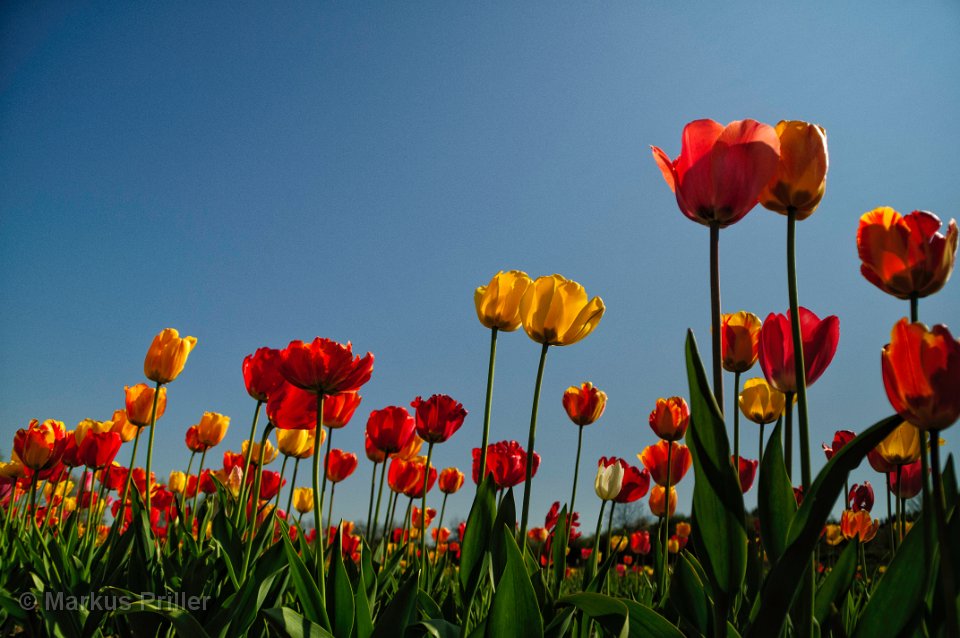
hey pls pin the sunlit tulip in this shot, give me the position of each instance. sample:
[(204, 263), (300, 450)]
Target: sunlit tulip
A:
[(167, 355), (747, 471), (556, 311), (819, 338), (99, 449), (122, 426), (498, 303), (261, 373), (506, 462), (878, 463), (640, 542), (910, 480), (584, 404), (450, 480), (760, 402), (415, 517), (801, 175), (739, 340), (636, 483), (658, 500), (303, 499), (212, 428), (269, 452), (720, 171), (670, 418), (860, 497), (114, 477), (905, 256), (411, 450), (921, 374), (90, 425), (833, 535), (859, 524), (902, 446), (654, 458), (373, 453), (391, 428), (298, 443), (338, 409), (270, 484), (40, 446), (177, 482), (402, 475), (139, 403), (840, 438), (290, 408), (416, 487), (339, 465), (14, 469), (609, 479), (683, 529), (438, 417), (324, 366), (192, 440)]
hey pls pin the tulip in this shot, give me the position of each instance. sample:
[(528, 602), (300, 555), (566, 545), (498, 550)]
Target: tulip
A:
[(324, 366), (858, 524), (667, 461), (122, 426), (498, 303), (373, 453), (776, 356), (390, 429), (906, 256), (833, 534), (339, 465), (290, 408), (760, 402), (338, 409), (739, 340), (177, 482), (556, 311), (402, 475), (270, 484), (801, 176), (636, 484), (139, 403), (584, 404), (303, 500), (269, 452), (212, 428), (860, 497), (506, 462), (658, 501), (747, 471), (99, 449), (909, 483), (438, 417), (609, 479), (840, 439), (167, 355), (640, 542), (901, 447), (670, 418), (450, 480), (261, 373), (40, 446)]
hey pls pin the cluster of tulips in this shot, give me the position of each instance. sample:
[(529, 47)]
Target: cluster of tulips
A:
[(498, 575)]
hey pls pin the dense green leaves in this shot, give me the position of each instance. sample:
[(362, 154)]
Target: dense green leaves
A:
[(775, 498), (514, 611), (837, 582)]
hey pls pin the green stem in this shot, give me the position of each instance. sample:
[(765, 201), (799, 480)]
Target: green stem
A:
[(798, 354), (196, 493), (576, 468), (487, 405), (760, 461), (333, 491), (946, 545), (443, 509), (530, 442), (321, 530), (914, 308), (118, 521), (373, 489), (596, 539), (376, 510), (241, 509), (715, 312), (153, 423), (736, 420), (32, 511), (899, 506), (255, 496), (666, 525), (788, 436), (293, 486), (276, 501), (893, 542), (423, 509), (613, 506), (318, 500), (926, 499)]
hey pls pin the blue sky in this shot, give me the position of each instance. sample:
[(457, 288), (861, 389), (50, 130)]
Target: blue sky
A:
[(256, 174)]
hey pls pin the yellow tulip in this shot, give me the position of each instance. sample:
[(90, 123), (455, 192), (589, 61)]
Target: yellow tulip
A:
[(269, 453), (498, 303), (760, 402), (555, 311), (833, 535), (739, 340), (177, 482), (618, 543), (801, 176), (12, 470), (298, 443), (212, 428), (409, 451), (303, 500), (902, 446), (167, 355), (89, 425), (69, 504)]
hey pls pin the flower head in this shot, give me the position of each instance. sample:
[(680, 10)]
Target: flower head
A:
[(139, 402), (339, 465), (303, 499), (451, 480), (438, 417), (739, 340), (299, 444), (507, 462), (670, 418), (840, 438), (747, 471), (636, 483), (761, 402), (584, 404), (391, 429), (859, 524), (609, 478), (861, 497), (261, 373), (819, 339), (498, 303), (556, 311), (658, 500), (324, 366), (901, 447), (167, 355), (801, 176), (654, 458)]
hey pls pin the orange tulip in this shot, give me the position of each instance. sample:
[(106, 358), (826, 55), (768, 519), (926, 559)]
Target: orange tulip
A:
[(212, 428), (921, 374), (739, 340), (338, 409), (40, 446), (658, 500), (450, 480), (801, 175), (584, 404), (670, 418), (861, 524), (167, 355), (122, 426), (905, 256), (654, 458), (139, 400)]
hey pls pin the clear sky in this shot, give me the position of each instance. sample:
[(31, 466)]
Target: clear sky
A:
[(256, 174)]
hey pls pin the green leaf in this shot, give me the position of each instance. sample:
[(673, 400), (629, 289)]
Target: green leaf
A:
[(900, 591), (837, 582), (305, 586), (514, 612), (558, 551), (181, 619), (363, 625), (609, 613), (477, 536), (717, 498), (506, 518), (786, 576), (688, 595), (340, 599), (647, 623), (435, 628), (398, 614), (775, 498), (290, 624)]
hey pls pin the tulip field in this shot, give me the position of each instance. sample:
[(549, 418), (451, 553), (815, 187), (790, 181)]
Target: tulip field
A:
[(95, 543)]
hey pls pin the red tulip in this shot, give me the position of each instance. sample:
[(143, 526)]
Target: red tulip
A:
[(40, 446), (438, 417), (290, 408), (654, 458), (192, 440), (670, 418), (640, 542), (338, 409), (415, 489), (373, 453), (99, 449), (584, 404), (451, 480), (324, 366), (840, 438), (921, 374), (878, 463), (721, 171), (636, 484), (507, 462), (747, 470), (910, 483), (402, 474), (261, 373), (861, 496), (390, 429), (270, 484), (819, 337), (339, 465), (553, 517)]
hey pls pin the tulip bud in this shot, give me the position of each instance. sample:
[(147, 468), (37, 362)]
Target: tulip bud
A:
[(584, 404), (498, 303), (609, 480), (670, 418), (167, 355), (801, 176)]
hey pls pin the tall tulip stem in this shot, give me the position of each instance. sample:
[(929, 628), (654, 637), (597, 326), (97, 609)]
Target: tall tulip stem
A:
[(153, 428), (373, 489), (596, 538), (443, 509), (946, 544), (899, 505), (293, 486), (255, 507), (530, 442), (736, 420), (318, 493), (196, 492), (423, 508), (799, 367), (487, 405), (666, 526), (246, 462), (715, 312), (376, 511), (118, 521), (576, 468), (788, 436), (760, 447), (333, 491), (283, 468)]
